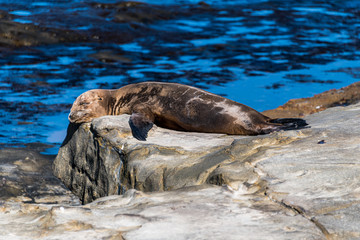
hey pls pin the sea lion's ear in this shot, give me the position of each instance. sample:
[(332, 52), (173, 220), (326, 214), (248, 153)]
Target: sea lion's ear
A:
[(140, 126)]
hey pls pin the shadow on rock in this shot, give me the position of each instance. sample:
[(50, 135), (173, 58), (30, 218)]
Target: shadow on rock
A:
[(71, 129)]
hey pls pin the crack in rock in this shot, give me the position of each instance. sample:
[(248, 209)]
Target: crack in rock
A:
[(301, 211)]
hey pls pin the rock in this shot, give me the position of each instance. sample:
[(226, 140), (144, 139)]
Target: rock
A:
[(304, 106), (20, 35), (206, 212), (286, 185), (26, 176), (319, 175), (102, 158), (137, 12)]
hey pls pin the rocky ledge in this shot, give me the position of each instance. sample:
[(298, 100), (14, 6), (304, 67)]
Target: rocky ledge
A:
[(311, 174), (287, 185), (301, 107)]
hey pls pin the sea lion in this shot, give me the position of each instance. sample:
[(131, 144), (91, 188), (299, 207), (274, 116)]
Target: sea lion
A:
[(176, 106)]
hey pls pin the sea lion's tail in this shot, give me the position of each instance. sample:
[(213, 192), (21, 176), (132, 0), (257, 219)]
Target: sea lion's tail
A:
[(290, 123)]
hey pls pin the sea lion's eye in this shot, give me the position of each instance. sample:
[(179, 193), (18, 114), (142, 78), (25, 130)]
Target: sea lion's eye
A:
[(100, 98)]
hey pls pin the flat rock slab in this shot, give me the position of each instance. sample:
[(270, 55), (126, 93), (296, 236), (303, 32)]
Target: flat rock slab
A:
[(26, 176), (319, 175), (207, 212), (309, 175)]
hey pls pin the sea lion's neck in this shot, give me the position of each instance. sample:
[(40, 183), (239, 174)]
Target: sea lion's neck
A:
[(111, 98), (120, 101)]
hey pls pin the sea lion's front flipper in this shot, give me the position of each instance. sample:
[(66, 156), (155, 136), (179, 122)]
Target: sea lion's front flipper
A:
[(140, 125)]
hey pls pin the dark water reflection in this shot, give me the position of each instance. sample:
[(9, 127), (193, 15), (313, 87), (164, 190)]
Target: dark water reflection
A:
[(261, 53)]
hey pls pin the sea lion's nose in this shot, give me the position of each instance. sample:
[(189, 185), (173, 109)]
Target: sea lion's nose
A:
[(71, 116)]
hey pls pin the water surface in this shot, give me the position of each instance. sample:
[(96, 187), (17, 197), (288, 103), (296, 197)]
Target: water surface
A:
[(260, 53)]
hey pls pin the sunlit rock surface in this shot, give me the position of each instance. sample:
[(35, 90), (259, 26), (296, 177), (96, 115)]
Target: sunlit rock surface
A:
[(208, 212), (310, 174), (102, 158), (287, 185), (319, 175)]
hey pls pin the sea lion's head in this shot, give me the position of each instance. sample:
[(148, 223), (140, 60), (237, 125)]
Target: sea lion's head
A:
[(89, 105)]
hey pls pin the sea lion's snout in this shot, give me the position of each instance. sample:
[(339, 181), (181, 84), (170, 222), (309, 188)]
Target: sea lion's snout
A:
[(71, 117), (76, 116)]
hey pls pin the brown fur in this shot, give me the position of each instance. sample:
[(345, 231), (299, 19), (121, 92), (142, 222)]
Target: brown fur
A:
[(173, 106)]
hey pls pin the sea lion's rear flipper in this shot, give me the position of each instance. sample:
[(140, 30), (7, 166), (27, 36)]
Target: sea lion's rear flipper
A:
[(140, 125), (290, 123)]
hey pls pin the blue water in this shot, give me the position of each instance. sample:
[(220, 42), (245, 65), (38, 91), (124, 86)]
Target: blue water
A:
[(260, 53)]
